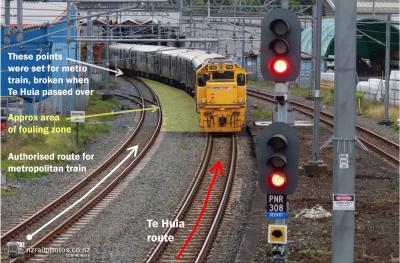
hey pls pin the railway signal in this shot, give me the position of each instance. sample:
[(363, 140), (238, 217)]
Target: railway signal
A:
[(278, 159), (280, 46)]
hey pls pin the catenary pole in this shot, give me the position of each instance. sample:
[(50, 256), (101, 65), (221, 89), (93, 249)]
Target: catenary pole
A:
[(208, 9), (159, 32), (387, 69), (69, 74), (344, 130), (90, 48), (68, 21), (180, 16), (107, 62), (243, 44), (7, 22), (317, 81), (313, 55), (285, 4), (20, 26)]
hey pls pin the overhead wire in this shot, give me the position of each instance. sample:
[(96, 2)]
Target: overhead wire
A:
[(71, 20)]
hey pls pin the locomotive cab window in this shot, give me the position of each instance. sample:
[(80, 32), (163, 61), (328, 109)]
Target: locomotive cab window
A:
[(223, 76), (202, 80), (241, 79)]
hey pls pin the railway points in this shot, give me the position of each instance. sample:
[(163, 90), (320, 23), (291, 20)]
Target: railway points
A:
[(130, 132)]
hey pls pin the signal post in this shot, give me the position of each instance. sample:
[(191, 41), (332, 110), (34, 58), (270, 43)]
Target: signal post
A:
[(278, 144)]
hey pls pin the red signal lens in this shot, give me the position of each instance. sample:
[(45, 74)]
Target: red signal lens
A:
[(279, 66), (277, 180)]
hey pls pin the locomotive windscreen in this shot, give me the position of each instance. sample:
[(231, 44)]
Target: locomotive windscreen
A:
[(223, 76)]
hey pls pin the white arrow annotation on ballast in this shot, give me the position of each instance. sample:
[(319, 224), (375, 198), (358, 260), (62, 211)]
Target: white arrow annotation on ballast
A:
[(117, 72), (131, 151)]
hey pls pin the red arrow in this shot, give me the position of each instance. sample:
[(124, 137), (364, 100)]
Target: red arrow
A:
[(217, 169)]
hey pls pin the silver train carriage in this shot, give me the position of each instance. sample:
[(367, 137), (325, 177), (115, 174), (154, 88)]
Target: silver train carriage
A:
[(176, 66)]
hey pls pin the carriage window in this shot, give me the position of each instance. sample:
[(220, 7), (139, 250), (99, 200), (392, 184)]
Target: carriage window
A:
[(223, 75)]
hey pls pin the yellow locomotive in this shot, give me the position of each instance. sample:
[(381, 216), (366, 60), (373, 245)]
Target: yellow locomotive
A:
[(221, 95), (218, 83)]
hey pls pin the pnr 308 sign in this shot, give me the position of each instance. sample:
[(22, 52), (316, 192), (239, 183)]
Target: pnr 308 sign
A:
[(276, 206)]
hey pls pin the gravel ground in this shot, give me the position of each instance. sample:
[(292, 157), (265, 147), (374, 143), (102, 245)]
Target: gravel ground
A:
[(236, 219), (162, 178), (33, 194), (372, 124), (377, 209), (155, 193)]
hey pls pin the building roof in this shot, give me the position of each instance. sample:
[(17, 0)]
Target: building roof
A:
[(35, 13), (370, 38), (369, 6), (131, 21), (327, 34), (377, 6)]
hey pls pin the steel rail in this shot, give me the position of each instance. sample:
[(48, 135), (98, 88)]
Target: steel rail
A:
[(188, 199), (159, 252), (309, 112), (101, 195), (222, 206), (76, 188), (130, 96)]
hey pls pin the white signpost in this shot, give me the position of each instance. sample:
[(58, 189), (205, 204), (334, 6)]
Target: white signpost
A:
[(77, 116)]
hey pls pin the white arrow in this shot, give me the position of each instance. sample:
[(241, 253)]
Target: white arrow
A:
[(132, 150), (117, 72)]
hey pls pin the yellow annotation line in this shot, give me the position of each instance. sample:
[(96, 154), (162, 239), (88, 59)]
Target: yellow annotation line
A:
[(152, 109)]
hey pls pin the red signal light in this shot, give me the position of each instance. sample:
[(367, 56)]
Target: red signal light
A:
[(277, 180), (279, 66)]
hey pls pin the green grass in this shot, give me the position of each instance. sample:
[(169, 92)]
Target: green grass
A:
[(102, 85), (396, 126), (327, 97), (53, 142), (315, 252), (375, 109), (7, 193), (262, 115), (300, 92), (326, 94), (369, 108), (267, 85), (179, 109)]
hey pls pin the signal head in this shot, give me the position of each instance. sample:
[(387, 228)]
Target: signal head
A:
[(278, 142), (279, 46), (278, 159), (279, 26)]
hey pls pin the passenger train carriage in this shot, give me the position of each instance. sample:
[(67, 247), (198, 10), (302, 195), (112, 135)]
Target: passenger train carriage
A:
[(218, 83)]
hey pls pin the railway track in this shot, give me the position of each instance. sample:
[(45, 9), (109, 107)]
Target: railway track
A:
[(202, 240), (375, 142), (103, 180)]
